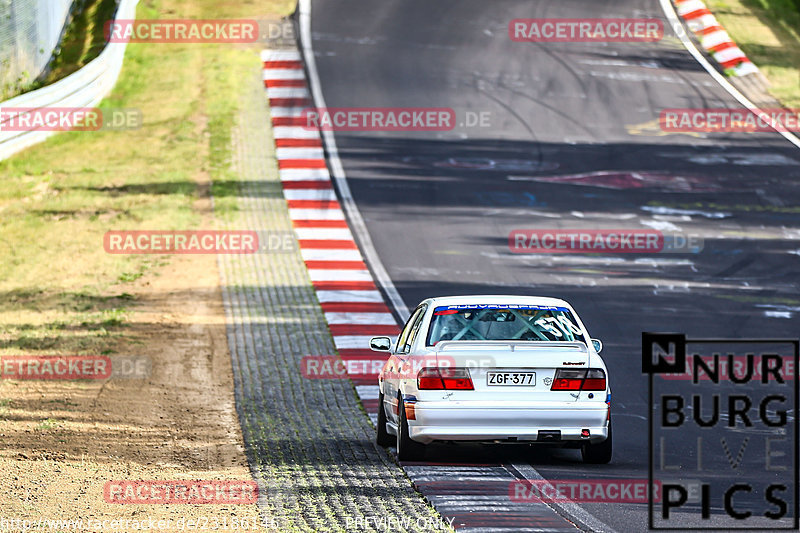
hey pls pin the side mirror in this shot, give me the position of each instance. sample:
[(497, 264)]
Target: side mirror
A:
[(597, 344), (380, 344)]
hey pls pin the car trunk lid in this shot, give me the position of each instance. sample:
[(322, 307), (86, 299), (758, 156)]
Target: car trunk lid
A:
[(512, 370)]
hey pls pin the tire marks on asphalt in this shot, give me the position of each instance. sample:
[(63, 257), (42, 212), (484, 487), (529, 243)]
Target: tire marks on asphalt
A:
[(476, 497)]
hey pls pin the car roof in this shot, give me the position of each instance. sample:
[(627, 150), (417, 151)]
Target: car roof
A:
[(495, 299)]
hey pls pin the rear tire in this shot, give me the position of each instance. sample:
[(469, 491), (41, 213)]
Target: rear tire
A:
[(407, 449), (383, 438), (600, 453)]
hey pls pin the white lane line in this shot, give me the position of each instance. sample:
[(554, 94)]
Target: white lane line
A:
[(339, 275), (354, 296), (330, 255), (669, 11), (309, 194), (316, 214), (299, 153), (287, 92), (354, 215), (294, 132), (351, 341), (572, 510), (324, 234), (280, 55), (284, 74), (361, 318), (367, 392), (304, 174)]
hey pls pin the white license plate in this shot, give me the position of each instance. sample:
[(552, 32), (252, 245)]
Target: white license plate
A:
[(504, 379)]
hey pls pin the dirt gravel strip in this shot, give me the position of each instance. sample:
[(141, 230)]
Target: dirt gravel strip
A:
[(308, 442)]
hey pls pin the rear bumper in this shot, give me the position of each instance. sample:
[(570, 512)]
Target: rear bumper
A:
[(474, 421)]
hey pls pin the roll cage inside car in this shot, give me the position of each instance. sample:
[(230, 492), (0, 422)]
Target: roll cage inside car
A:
[(542, 324)]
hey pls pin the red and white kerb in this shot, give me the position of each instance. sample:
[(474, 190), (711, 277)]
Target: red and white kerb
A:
[(353, 306), (714, 38)]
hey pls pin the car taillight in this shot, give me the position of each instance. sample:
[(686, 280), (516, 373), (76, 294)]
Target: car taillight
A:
[(456, 379), (429, 379), (569, 379), (595, 379), (433, 378)]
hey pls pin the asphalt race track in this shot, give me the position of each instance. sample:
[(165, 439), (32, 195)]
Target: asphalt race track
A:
[(440, 205)]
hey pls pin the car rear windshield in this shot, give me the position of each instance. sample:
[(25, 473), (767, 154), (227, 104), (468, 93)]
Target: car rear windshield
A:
[(537, 323)]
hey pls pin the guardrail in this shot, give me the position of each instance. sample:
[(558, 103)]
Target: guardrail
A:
[(84, 88)]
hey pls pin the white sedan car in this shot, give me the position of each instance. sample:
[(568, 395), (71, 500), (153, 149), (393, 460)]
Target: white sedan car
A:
[(494, 369)]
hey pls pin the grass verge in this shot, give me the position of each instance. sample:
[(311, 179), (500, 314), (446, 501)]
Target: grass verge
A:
[(768, 31), (59, 291)]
